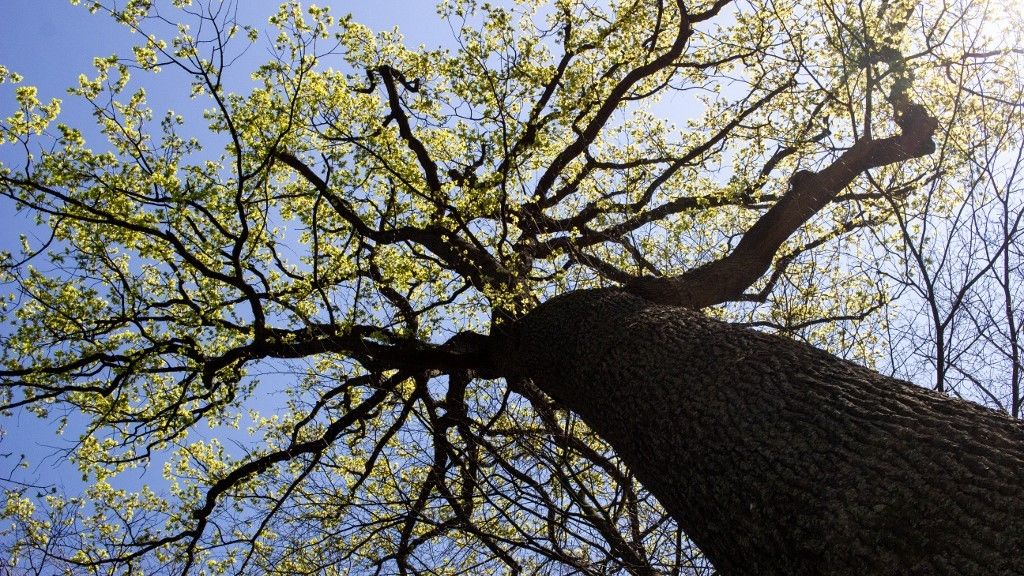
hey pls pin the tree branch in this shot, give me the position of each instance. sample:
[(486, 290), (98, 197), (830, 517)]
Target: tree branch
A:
[(725, 279)]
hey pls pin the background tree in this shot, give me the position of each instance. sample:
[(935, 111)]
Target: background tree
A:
[(356, 265)]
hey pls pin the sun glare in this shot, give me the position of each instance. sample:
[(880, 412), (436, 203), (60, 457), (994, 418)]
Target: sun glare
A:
[(1003, 24)]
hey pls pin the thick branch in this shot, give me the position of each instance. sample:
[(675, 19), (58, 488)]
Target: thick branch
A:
[(725, 279), (389, 75)]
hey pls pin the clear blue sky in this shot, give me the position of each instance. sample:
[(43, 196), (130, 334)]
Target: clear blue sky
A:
[(51, 42)]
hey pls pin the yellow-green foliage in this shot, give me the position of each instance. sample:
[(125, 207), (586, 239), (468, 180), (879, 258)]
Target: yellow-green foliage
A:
[(181, 245)]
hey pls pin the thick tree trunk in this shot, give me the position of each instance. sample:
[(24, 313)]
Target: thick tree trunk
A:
[(776, 457)]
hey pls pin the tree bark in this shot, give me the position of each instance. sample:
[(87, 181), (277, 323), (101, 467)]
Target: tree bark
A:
[(776, 457)]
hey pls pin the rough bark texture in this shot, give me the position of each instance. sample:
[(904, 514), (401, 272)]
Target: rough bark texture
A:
[(778, 458)]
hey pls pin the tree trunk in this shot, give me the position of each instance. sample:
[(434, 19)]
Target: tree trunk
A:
[(776, 457)]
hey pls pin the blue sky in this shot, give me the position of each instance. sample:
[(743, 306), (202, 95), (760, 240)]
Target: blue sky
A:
[(51, 42)]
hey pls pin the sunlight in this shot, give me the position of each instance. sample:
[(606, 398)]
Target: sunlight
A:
[(1003, 24)]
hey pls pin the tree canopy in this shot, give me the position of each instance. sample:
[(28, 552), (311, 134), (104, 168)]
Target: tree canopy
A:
[(279, 313)]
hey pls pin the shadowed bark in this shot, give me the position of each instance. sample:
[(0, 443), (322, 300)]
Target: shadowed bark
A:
[(776, 457)]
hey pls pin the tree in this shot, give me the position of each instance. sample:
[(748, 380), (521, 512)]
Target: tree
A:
[(481, 308)]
